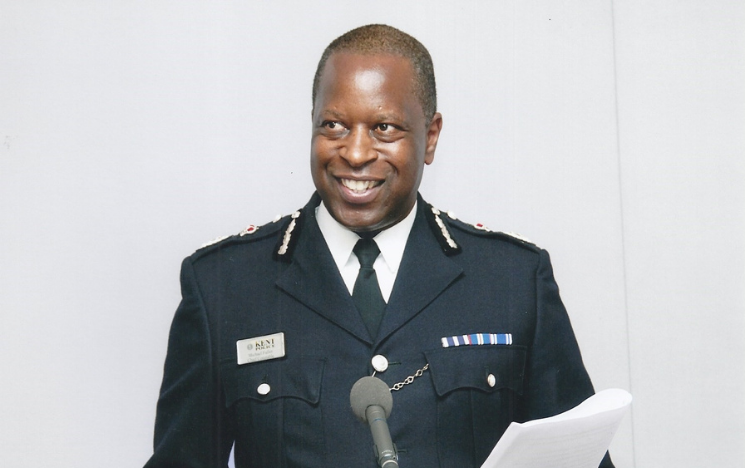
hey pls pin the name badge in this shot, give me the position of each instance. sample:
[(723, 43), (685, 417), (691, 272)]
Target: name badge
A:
[(261, 348)]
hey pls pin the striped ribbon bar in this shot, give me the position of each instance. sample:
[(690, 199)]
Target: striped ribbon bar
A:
[(476, 339)]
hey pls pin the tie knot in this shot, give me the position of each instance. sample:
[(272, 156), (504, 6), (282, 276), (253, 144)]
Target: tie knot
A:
[(366, 251)]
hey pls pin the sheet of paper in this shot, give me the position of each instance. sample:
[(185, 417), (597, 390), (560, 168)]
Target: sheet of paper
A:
[(577, 438)]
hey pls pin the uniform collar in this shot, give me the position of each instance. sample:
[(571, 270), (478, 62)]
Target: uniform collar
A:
[(310, 269), (341, 240)]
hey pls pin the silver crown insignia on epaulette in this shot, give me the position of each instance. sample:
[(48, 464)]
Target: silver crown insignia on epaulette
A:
[(249, 230)]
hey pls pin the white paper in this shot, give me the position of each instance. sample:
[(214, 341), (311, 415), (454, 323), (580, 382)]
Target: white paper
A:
[(577, 438)]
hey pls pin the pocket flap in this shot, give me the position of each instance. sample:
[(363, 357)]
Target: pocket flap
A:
[(268, 380), (485, 368)]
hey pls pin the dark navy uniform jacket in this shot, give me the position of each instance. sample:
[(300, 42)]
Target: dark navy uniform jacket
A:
[(451, 416)]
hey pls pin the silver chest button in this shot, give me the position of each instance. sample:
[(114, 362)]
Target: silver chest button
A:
[(264, 389), (379, 363), (491, 380)]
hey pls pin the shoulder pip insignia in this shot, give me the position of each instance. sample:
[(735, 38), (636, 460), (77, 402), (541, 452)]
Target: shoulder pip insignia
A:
[(481, 227), (444, 238), (519, 237), (289, 238), (249, 230), (213, 241)]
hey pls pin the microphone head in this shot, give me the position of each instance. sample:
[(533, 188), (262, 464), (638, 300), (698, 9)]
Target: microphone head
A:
[(369, 391)]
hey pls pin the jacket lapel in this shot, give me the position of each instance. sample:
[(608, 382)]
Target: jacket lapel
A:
[(313, 279), (425, 272)]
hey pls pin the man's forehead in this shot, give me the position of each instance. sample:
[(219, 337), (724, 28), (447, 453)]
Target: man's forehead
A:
[(388, 77), (367, 71), (368, 80)]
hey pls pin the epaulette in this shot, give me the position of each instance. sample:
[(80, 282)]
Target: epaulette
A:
[(250, 233), (480, 230)]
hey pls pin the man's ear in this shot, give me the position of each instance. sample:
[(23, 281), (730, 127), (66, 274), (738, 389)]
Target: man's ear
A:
[(433, 134)]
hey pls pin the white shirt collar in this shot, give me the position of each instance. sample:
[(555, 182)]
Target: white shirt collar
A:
[(391, 242), (339, 239)]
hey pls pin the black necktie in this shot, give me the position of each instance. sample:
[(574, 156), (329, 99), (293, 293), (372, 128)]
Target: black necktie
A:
[(366, 294)]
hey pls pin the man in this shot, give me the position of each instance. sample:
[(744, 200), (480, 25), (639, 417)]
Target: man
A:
[(278, 322)]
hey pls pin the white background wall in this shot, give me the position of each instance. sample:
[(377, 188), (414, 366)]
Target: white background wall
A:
[(611, 133)]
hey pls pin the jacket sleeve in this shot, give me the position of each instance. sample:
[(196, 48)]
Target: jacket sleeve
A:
[(191, 425), (556, 377)]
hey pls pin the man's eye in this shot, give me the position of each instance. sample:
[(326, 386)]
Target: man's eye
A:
[(387, 129), (331, 125)]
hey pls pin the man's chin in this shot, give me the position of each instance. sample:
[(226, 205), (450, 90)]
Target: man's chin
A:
[(355, 222)]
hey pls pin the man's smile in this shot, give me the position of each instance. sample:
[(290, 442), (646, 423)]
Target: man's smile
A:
[(360, 186)]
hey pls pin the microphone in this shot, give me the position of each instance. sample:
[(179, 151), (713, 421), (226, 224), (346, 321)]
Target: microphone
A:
[(372, 403)]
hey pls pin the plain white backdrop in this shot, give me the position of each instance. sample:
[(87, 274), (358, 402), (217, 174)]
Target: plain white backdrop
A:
[(609, 132)]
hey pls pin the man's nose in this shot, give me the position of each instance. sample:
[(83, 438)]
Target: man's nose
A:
[(359, 148)]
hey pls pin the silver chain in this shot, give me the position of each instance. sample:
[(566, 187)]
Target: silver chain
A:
[(410, 378)]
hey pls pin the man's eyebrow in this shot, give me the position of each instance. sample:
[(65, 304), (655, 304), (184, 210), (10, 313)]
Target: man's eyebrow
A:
[(381, 117), (388, 116), (331, 113)]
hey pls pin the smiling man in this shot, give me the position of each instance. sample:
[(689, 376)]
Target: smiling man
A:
[(371, 139), (465, 325)]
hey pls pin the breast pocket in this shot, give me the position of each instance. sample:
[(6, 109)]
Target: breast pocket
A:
[(275, 408), (478, 394)]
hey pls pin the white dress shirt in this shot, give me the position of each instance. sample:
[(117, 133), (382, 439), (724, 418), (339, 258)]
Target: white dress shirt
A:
[(391, 242)]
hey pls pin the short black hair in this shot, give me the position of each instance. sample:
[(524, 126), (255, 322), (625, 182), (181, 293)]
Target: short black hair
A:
[(383, 39)]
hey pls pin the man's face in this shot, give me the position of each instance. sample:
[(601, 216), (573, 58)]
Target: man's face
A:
[(370, 140)]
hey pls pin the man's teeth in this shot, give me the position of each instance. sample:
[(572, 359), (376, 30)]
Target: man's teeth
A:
[(359, 186)]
